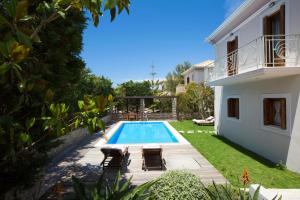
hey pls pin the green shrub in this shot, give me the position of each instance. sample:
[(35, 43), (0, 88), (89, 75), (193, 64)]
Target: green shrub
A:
[(177, 185), (225, 192), (104, 190)]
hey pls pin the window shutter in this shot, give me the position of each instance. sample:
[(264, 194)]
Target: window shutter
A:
[(267, 31), (282, 19), (272, 111), (236, 46), (229, 108), (281, 62), (283, 113), (267, 27), (267, 113), (237, 108), (232, 107), (229, 60)]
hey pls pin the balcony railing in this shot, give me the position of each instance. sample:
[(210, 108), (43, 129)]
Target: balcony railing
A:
[(265, 51)]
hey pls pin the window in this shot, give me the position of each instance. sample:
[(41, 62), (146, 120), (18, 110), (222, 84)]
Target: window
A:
[(275, 112), (274, 33), (192, 77), (232, 56), (233, 108), (187, 80)]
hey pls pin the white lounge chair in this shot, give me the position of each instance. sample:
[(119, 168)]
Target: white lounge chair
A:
[(208, 121)]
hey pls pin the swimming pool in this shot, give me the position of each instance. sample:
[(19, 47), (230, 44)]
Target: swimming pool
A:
[(142, 132)]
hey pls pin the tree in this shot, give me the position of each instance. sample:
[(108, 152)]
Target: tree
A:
[(88, 84), (131, 88), (206, 102), (175, 77), (197, 98), (57, 60), (39, 64)]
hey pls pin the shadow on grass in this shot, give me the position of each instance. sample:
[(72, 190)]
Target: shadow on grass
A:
[(247, 152)]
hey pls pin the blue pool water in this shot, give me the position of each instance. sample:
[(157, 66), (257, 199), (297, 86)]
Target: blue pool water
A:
[(142, 132)]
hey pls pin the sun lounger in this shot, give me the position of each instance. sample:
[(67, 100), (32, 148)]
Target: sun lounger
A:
[(208, 121), (113, 156), (152, 157)]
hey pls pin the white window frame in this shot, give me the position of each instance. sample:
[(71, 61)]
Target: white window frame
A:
[(233, 118), (275, 129)]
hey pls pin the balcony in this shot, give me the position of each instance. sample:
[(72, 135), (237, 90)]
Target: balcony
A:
[(266, 57)]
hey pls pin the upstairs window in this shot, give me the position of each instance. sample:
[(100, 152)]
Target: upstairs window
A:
[(233, 108), (274, 38), (232, 57), (275, 112)]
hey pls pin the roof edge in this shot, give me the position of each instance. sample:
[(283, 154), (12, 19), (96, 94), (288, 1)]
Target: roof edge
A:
[(197, 67), (229, 19)]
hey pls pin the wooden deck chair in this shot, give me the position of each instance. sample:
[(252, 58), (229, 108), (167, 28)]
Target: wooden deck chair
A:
[(126, 116), (113, 156), (152, 157), (132, 116)]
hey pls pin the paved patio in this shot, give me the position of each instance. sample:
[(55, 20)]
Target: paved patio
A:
[(84, 162)]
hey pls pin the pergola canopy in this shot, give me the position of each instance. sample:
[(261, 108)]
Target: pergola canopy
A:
[(142, 103), (146, 97)]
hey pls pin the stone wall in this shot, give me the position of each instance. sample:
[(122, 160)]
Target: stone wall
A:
[(72, 139)]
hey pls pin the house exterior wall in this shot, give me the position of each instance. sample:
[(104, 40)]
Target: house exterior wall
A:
[(249, 131), (253, 29), (196, 75)]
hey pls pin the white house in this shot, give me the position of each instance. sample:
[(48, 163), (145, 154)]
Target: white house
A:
[(257, 79), (197, 74)]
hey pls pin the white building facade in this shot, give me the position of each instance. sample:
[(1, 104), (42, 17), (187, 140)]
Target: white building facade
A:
[(198, 73), (257, 79)]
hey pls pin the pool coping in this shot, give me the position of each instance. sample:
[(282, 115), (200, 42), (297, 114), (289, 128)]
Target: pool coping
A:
[(103, 141)]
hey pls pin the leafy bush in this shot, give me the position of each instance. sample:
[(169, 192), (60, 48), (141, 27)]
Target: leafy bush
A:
[(225, 192), (198, 98), (177, 185), (40, 65), (171, 185), (118, 190)]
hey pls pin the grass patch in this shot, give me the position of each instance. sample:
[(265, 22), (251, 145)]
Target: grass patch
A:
[(231, 159)]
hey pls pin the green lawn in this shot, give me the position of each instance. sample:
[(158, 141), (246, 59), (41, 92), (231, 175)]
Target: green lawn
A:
[(230, 159)]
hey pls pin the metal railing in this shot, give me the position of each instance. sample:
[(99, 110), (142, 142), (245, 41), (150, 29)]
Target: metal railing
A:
[(265, 51)]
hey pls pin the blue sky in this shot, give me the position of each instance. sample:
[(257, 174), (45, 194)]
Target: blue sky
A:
[(165, 32)]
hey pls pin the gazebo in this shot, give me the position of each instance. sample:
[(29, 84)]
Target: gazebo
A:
[(140, 109)]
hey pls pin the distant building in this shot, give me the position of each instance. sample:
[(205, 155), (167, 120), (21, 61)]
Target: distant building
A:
[(197, 74)]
